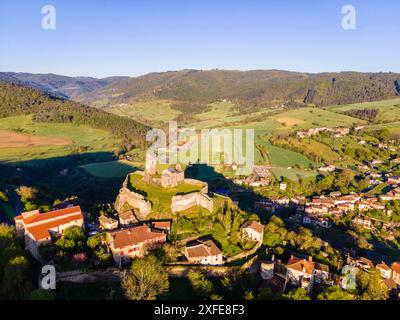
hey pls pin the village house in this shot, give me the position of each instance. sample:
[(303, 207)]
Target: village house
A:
[(204, 252), (108, 223), (253, 230), (129, 243), (164, 226), (127, 218), (361, 263), (303, 272), (363, 221), (329, 168), (393, 180), (384, 269), (396, 272), (38, 228), (391, 195)]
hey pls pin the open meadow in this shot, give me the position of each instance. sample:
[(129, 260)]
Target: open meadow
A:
[(34, 141)]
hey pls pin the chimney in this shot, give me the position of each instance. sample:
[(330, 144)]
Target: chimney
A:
[(310, 258)]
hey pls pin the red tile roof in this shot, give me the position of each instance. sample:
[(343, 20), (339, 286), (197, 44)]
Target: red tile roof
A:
[(39, 224), (396, 267), (256, 226), (203, 249), (134, 236), (41, 231), (37, 217)]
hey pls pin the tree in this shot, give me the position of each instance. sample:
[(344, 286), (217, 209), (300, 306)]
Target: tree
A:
[(3, 196), (42, 294), (370, 286), (202, 287), (16, 284), (297, 294), (73, 241), (146, 279), (335, 293), (26, 193), (268, 294)]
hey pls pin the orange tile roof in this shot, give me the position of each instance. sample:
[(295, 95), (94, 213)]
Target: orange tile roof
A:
[(203, 249), (134, 236), (383, 266), (161, 224), (256, 226), (43, 222), (41, 231), (396, 267), (300, 264), (37, 217)]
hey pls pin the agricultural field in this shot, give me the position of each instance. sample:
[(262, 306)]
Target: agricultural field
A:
[(218, 110), (159, 110), (51, 140), (311, 148), (389, 110), (286, 163), (12, 139), (303, 118)]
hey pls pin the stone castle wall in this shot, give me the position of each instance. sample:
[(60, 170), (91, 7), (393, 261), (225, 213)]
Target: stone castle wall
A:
[(180, 203), (132, 199)]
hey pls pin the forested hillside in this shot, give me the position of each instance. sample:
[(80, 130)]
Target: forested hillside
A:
[(18, 100), (249, 89)]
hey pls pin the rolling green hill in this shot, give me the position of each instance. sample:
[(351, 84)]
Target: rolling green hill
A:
[(19, 100), (250, 90)]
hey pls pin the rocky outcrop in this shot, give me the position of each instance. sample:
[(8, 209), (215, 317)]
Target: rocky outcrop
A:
[(133, 200), (180, 203)]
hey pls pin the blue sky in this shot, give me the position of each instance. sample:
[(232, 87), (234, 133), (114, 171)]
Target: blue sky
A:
[(104, 38)]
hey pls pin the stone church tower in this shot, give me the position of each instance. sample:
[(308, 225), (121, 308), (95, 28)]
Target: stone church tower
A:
[(151, 164)]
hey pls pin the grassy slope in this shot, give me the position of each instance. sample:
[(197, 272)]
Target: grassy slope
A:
[(82, 136), (389, 110), (110, 169), (158, 110)]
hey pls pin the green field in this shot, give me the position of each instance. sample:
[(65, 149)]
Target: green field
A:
[(311, 147), (302, 118), (218, 110), (110, 169), (91, 140), (389, 110), (159, 110)]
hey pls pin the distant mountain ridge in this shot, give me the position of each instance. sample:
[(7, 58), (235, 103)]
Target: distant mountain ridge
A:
[(74, 88), (249, 89)]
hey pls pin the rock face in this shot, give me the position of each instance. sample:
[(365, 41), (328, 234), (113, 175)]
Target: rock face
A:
[(180, 203)]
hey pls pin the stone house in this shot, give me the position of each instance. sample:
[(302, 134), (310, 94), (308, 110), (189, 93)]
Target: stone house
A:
[(304, 272), (107, 223), (129, 243), (127, 218), (253, 230), (204, 252), (38, 228), (384, 269)]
